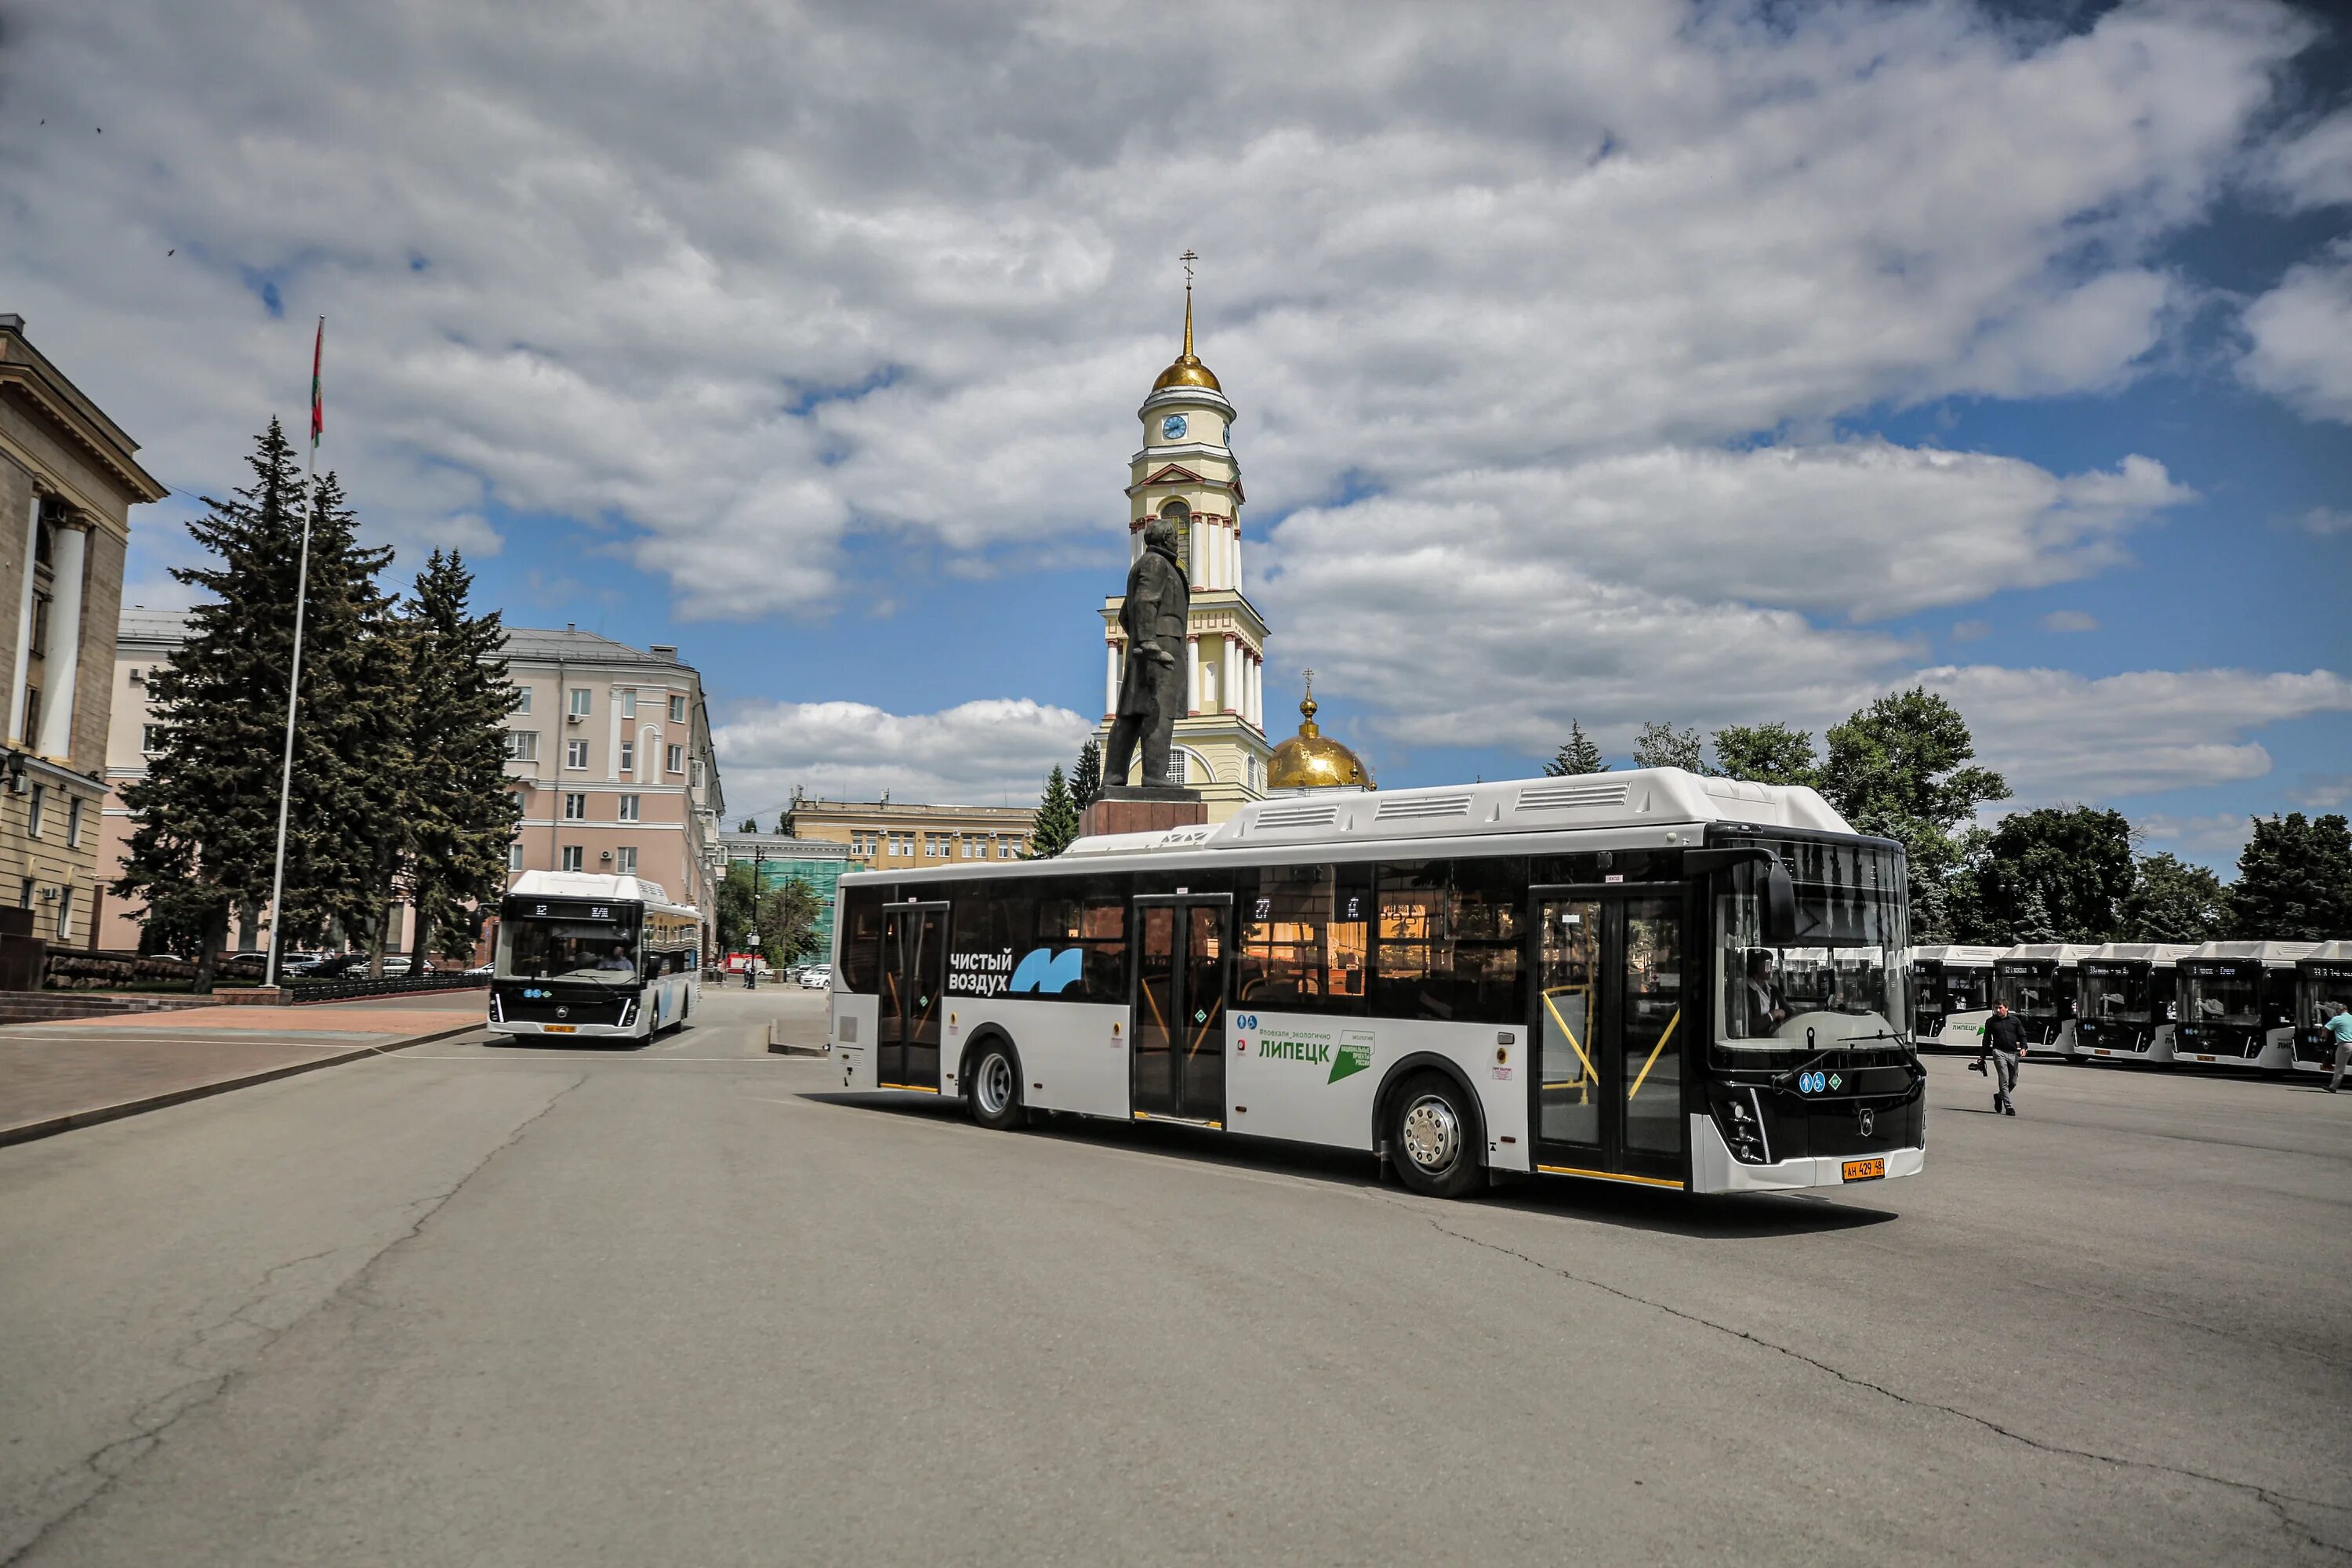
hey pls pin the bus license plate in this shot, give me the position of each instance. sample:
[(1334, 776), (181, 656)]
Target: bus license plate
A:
[(1865, 1170), (560, 1028)]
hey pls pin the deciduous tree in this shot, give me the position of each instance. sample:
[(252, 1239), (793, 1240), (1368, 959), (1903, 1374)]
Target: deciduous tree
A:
[(1771, 753), (2172, 901), (2294, 881), (1661, 745), (1898, 768), (2054, 874)]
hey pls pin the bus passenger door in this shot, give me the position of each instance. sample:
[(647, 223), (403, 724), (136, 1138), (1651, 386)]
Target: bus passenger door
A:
[(914, 978), (1607, 1090), (1178, 1017)]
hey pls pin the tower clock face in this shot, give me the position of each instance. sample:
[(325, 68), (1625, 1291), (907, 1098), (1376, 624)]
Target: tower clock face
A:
[(1172, 428)]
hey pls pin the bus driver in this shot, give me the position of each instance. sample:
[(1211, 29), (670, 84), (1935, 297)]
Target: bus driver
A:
[(1758, 1010)]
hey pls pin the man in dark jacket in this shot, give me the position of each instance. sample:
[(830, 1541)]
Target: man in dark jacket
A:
[(2004, 1041)]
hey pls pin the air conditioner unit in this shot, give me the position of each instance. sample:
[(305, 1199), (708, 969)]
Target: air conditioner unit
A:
[(575, 718), (138, 676), (607, 855)]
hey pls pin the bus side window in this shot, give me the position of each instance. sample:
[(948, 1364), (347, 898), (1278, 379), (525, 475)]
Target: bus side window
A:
[(861, 940)]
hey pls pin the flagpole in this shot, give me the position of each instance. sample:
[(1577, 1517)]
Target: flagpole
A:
[(294, 676)]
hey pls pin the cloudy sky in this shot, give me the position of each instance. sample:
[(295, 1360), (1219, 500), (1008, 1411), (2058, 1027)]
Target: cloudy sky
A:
[(1610, 362)]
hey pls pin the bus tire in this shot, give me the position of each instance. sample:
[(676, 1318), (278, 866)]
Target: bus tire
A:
[(993, 1084), (1432, 1136)]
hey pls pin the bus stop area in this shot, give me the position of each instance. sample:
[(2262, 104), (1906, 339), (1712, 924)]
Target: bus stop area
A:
[(59, 1075)]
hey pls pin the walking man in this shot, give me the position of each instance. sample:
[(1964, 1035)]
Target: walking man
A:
[(2339, 1034), (2004, 1041)]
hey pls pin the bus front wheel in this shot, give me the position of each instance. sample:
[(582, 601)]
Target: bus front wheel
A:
[(993, 1087), (1432, 1133)]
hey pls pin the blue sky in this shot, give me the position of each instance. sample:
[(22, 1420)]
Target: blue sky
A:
[(1713, 364)]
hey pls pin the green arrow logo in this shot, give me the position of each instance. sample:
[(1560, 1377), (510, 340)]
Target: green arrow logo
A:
[(1348, 1060)]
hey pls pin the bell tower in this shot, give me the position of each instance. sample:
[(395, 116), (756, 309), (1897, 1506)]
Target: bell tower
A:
[(1186, 472)]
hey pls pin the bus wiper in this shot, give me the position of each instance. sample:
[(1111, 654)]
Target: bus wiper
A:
[(1881, 1034)]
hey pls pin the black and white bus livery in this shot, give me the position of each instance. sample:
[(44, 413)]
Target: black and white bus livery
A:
[(2237, 1004), (2128, 1002), (1951, 995), (584, 954), (1583, 976), (2037, 981), (2323, 978)]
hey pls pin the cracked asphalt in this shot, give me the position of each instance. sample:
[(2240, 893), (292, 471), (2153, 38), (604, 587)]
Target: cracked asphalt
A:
[(465, 1305)]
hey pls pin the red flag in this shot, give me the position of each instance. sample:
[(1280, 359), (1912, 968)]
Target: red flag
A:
[(318, 406)]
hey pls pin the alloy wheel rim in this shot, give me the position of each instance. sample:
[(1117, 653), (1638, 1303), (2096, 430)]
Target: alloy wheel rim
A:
[(995, 1085), (1432, 1134)]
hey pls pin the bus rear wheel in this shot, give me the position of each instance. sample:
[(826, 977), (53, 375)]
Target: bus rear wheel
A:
[(1432, 1129), (993, 1086)]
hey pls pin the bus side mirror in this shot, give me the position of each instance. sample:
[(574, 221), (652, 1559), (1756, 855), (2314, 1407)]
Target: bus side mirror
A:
[(1780, 905)]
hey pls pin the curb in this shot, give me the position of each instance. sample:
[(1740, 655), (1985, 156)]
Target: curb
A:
[(27, 1131), (778, 1048)]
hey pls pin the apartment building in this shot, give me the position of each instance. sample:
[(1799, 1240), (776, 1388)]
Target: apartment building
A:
[(887, 835), (68, 478), (608, 747)]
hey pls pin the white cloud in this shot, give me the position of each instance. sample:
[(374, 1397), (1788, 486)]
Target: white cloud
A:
[(2215, 839), (1971, 631), (2301, 334), (2322, 792), (978, 753), (2326, 521), (743, 284), (2059, 735), (2070, 621), (2313, 168)]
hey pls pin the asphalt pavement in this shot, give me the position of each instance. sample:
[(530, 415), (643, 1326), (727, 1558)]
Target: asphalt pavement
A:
[(463, 1304)]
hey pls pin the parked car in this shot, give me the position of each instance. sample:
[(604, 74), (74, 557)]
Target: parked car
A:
[(340, 967), (400, 963), (817, 979)]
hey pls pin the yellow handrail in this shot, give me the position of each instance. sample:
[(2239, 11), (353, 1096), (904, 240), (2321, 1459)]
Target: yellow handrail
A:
[(1554, 1010), (1661, 1045)]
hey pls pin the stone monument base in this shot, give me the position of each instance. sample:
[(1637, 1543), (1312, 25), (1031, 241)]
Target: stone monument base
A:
[(1142, 808)]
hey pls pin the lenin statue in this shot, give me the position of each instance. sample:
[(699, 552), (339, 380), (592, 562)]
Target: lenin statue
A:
[(1151, 689)]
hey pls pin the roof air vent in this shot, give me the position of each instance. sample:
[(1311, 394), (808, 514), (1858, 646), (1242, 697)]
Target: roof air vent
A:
[(1313, 815), (1423, 807), (1579, 796)]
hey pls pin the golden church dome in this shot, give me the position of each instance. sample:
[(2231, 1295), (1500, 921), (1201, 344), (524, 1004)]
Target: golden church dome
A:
[(1188, 370), (1312, 760)]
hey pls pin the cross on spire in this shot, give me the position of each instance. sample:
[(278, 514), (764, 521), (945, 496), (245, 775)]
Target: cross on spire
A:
[(1188, 259)]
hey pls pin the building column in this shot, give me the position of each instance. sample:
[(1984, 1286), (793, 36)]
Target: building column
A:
[(1193, 676), (1110, 677), (1196, 567), (1234, 676), (1257, 692), (64, 656), (25, 627)]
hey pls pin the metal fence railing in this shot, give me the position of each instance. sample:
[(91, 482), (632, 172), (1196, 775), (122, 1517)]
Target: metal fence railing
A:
[(300, 989)]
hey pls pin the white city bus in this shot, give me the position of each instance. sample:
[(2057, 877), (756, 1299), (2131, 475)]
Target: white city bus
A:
[(584, 954), (2237, 1004), (2037, 981), (2322, 976), (2128, 1002), (1583, 976), (1951, 995)]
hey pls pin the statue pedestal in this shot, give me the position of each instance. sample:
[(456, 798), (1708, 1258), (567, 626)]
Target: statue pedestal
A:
[(1142, 808)]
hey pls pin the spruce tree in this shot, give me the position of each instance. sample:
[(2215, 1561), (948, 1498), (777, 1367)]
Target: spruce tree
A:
[(1057, 818), (458, 814), (1085, 779), (1577, 754)]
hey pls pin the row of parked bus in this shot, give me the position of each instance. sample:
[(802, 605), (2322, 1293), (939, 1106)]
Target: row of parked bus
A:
[(2226, 1004)]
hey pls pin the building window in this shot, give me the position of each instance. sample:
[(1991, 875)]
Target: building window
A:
[(629, 704), (575, 753), (64, 914), (677, 709), (629, 807), (628, 756), (580, 702), (34, 812), (514, 856), (628, 859), (150, 739), (676, 762), (73, 822), (575, 808), (517, 699), (25, 895), (1004, 850), (574, 857), (522, 745)]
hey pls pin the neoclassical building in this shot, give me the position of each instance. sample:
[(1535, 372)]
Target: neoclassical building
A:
[(68, 478), (1186, 472)]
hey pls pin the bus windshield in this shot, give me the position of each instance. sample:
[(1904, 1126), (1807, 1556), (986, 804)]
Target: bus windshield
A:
[(1839, 976), (2029, 992), (2318, 988), (2206, 998), (595, 943), (2116, 993), (1967, 990)]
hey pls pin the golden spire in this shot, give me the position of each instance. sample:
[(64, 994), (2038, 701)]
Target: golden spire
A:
[(1188, 370)]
